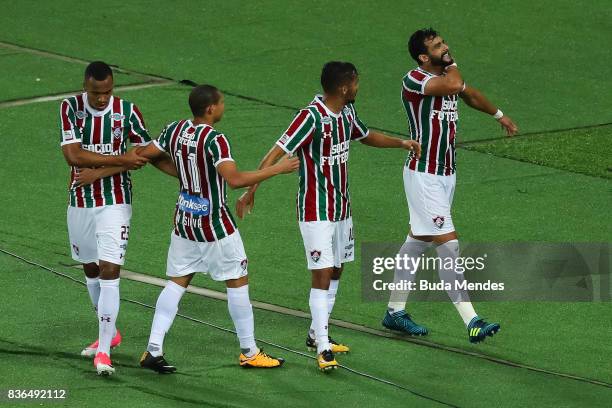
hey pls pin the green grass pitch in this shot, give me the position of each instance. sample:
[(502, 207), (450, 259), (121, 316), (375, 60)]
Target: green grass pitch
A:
[(541, 62)]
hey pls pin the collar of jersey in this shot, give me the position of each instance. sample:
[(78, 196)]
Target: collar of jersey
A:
[(319, 98), (191, 124), (95, 112), (425, 72)]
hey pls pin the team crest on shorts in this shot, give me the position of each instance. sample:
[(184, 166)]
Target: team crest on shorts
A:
[(75, 249), (117, 132), (244, 263), (315, 255), (439, 221)]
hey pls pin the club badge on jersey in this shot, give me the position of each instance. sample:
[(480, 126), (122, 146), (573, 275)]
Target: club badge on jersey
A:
[(193, 204)]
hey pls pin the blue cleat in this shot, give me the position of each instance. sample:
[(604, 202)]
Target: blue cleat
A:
[(478, 329), (401, 321)]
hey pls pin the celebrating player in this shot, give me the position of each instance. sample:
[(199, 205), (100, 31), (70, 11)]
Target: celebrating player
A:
[(430, 95), (95, 128), (205, 236), (321, 134)]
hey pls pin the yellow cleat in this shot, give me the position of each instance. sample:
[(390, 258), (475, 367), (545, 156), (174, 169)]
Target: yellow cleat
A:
[(336, 347), (326, 361), (260, 360)]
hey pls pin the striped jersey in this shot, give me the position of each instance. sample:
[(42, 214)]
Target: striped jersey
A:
[(321, 139), (433, 123), (201, 212), (104, 132)]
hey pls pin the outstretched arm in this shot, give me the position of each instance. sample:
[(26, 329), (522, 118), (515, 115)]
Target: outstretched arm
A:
[(239, 179), (165, 164), (159, 158), (475, 99), (377, 139), (247, 200)]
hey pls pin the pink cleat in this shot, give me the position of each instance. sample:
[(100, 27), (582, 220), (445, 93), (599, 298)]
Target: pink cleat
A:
[(91, 350), (103, 364)]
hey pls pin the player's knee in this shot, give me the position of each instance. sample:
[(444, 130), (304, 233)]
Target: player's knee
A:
[(109, 270), (337, 273), (236, 283), (321, 278), (91, 270)]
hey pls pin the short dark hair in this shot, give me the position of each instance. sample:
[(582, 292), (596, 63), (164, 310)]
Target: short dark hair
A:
[(98, 70), (201, 97), (337, 73), (416, 43)]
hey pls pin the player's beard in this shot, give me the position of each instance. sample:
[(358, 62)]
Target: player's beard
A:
[(442, 61)]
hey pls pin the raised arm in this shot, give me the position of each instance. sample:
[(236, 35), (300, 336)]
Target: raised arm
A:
[(475, 99), (449, 84)]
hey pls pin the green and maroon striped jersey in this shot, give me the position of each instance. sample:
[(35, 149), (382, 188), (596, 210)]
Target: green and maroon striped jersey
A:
[(104, 132), (201, 212), (433, 123), (321, 139)]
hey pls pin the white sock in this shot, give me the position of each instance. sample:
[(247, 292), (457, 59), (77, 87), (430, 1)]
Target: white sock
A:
[(241, 311), (413, 249), (93, 287), (466, 311), (459, 297), (165, 312), (331, 300), (108, 309), (320, 316)]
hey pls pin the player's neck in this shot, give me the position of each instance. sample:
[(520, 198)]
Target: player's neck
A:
[(334, 103), (204, 120), (433, 69)]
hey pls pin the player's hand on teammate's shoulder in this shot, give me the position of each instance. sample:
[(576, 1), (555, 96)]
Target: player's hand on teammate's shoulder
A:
[(287, 164), (87, 176), (132, 160), (412, 145), (508, 125), (245, 204)]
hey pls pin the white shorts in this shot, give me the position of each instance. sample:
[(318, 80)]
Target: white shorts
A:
[(223, 259), (99, 233), (328, 243), (429, 202)]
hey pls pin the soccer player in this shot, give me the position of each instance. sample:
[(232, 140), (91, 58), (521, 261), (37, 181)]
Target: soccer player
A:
[(321, 135), (95, 129), (205, 236), (430, 94)]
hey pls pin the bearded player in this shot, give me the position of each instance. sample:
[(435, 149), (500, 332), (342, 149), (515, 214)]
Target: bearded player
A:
[(95, 130), (430, 95), (321, 135), (205, 237)]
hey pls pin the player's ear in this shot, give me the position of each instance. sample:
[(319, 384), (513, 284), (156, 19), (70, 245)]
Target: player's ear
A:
[(423, 58)]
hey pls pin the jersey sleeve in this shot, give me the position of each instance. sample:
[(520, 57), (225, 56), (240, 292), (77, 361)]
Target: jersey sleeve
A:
[(299, 133), (69, 132), (359, 130), (415, 82), (163, 140), (220, 150), (138, 134)]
